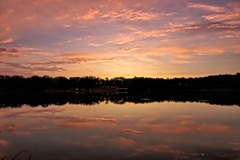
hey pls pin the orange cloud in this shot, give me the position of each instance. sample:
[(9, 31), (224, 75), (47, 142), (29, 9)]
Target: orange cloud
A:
[(133, 131), (102, 119), (6, 40), (3, 142), (28, 48), (45, 2), (185, 52), (233, 22), (76, 55), (164, 128), (157, 56), (212, 128), (41, 128), (86, 122), (186, 126), (90, 15), (126, 142), (76, 124)]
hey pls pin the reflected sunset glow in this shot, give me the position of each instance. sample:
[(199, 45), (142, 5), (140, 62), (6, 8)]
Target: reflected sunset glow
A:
[(129, 131)]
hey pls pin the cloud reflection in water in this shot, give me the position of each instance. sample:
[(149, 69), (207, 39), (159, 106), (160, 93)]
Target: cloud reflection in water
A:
[(129, 131)]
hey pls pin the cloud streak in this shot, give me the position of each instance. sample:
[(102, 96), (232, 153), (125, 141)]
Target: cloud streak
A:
[(34, 67), (5, 41), (14, 52), (129, 15), (206, 7)]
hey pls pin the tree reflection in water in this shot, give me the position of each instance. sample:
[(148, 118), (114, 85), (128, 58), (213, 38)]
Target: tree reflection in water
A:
[(85, 127), (46, 99)]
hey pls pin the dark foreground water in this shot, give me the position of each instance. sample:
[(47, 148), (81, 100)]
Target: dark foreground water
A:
[(158, 130)]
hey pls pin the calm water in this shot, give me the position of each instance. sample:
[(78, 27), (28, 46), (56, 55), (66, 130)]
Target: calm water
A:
[(166, 130)]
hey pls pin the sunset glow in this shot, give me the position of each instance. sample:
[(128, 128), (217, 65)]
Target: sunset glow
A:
[(111, 38)]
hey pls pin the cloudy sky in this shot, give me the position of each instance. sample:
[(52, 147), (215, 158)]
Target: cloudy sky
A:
[(110, 38)]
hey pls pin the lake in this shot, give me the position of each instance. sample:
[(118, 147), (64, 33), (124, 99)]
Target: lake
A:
[(106, 130)]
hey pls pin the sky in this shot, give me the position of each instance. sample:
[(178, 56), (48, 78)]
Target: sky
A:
[(112, 38)]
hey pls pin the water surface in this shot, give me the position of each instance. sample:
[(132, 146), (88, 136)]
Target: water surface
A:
[(159, 130)]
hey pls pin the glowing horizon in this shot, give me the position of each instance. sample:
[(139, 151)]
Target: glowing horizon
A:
[(113, 38)]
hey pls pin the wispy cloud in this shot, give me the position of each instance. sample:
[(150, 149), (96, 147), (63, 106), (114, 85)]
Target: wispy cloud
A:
[(230, 34), (137, 34), (86, 122), (34, 67), (133, 131), (90, 14), (85, 57), (126, 142), (206, 7), (14, 52), (130, 49), (68, 41), (37, 51), (129, 15), (6, 40), (222, 17)]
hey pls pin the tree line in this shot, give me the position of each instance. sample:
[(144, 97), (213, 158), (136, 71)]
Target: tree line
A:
[(18, 83)]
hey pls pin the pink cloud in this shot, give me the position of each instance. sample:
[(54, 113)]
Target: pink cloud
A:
[(45, 2), (103, 119), (32, 51), (45, 53), (43, 127), (126, 142), (133, 131), (222, 16), (14, 52), (222, 26), (6, 40), (134, 35), (206, 7), (130, 15), (35, 67), (76, 124), (87, 57), (68, 41), (188, 126)]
